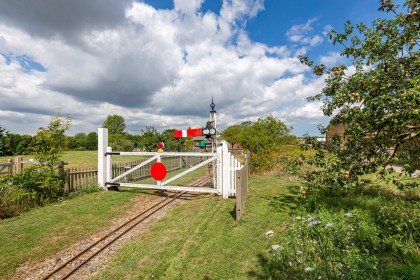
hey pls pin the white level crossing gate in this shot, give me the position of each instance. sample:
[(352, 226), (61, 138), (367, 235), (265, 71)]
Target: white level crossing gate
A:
[(222, 168)]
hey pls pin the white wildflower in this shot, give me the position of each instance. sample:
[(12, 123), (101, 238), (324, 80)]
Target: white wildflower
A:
[(309, 269), (298, 218), (299, 252), (276, 247), (311, 219), (348, 215), (269, 233), (329, 225), (314, 222)]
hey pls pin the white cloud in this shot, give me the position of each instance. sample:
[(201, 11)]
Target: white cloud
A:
[(153, 67), (301, 34), (331, 59)]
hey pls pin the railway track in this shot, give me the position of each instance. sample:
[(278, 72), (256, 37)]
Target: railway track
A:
[(72, 265)]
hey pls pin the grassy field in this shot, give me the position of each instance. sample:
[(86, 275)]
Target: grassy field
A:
[(41, 232), (199, 231), (80, 159), (200, 239)]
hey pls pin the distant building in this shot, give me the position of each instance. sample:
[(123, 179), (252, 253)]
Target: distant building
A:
[(235, 146), (335, 129)]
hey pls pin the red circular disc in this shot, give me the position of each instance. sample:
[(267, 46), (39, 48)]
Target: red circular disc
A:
[(158, 171), (160, 145)]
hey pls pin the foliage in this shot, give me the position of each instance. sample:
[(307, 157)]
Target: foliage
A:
[(335, 245), (38, 184), (120, 142), (35, 186), (83, 142), (377, 98), (115, 124), (50, 142), (20, 144), (5, 147), (150, 137), (263, 138), (409, 153), (14, 144)]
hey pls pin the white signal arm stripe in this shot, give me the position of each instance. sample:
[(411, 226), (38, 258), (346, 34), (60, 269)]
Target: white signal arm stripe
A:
[(184, 133)]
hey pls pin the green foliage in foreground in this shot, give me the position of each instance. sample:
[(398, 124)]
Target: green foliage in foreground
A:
[(365, 235), (35, 186)]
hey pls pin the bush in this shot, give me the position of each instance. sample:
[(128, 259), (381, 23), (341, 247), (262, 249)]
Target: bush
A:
[(35, 186), (327, 246), (335, 245)]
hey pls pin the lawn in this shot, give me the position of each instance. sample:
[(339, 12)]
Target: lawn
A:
[(80, 159), (200, 239), (41, 232), (201, 231)]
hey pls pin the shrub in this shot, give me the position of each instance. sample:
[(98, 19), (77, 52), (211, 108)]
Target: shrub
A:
[(336, 245), (326, 246), (35, 186)]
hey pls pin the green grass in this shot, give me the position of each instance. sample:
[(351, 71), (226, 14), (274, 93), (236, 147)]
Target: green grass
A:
[(42, 232), (80, 159), (201, 239)]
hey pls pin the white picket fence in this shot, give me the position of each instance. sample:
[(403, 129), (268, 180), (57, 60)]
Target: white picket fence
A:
[(226, 171)]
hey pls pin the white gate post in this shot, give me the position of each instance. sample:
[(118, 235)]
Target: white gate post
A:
[(102, 146), (225, 170), (218, 170), (109, 165)]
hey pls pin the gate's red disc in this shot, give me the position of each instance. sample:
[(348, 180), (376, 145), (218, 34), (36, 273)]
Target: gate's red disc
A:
[(158, 171)]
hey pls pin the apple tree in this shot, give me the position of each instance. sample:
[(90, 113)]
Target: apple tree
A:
[(377, 97)]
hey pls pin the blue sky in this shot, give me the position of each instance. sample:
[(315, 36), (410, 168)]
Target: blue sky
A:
[(159, 62)]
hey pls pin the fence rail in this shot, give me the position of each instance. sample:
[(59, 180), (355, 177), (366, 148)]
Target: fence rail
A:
[(77, 178), (242, 177), (6, 168)]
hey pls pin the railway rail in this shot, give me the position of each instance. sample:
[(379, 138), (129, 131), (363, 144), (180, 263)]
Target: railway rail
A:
[(66, 269), (69, 267)]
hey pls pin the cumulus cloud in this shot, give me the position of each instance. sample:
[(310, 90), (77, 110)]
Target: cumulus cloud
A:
[(154, 67), (301, 34)]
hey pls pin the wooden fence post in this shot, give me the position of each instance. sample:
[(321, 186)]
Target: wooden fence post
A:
[(67, 181), (60, 168), (10, 167), (19, 164), (239, 195)]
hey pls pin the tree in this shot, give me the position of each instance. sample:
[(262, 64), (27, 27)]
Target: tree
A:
[(175, 145), (115, 124), (263, 138), (149, 139), (20, 144), (378, 97), (4, 142), (50, 142), (91, 142)]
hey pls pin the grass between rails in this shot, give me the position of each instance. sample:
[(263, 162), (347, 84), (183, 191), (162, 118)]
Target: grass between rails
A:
[(42, 232), (201, 240)]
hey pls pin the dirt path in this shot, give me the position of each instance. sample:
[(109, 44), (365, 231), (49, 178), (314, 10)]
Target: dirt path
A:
[(399, 169)]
